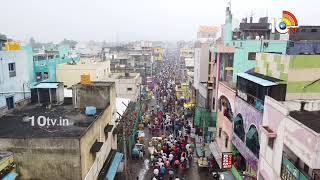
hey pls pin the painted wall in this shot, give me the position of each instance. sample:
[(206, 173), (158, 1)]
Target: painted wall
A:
[(304, 142), (123, 84), (90, 166), (250, 115), (201, 64), (226, 125), (17, 86), (49, 65), (241, 61), (45, 158), (293, 70), (71, 74)]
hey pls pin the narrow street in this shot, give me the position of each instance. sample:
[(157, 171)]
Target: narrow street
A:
[(176, 157)]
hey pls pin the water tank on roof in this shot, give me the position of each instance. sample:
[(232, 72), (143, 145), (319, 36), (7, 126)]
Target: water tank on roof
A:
[(91, 110)]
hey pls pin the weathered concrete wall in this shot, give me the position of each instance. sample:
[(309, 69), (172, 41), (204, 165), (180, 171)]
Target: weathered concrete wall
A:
[(91, 95), (50, 159), (91, 164), (70, 74)]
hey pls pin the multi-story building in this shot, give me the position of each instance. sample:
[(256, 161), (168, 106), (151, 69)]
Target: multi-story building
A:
[(290, 140), (128, 85), (45, 62), (73, 144), (207, 33), (201, 57), (70, 73), (15, 78), (237, 54)]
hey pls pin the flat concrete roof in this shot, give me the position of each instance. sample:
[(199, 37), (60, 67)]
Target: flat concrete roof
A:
[(311, 119), (14, 124)]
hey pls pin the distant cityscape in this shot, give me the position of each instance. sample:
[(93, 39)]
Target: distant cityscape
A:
[(77, 110)]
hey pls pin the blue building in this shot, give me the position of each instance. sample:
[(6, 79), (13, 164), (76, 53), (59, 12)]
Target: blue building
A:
[(45, 62)]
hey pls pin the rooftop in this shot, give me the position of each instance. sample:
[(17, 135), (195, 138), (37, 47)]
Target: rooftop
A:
[(16, 124), (311, 119), (4, 154)]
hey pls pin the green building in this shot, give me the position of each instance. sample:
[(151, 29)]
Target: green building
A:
[(45, 62)]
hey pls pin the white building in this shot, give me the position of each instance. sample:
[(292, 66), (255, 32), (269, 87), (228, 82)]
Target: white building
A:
[(201, 56), (127, 85), (15, 70)]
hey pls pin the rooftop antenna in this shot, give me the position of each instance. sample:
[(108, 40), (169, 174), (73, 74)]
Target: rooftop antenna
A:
[(229, 3)]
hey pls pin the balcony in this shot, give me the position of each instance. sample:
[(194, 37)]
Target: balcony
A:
[(250, 99), (253, 87)]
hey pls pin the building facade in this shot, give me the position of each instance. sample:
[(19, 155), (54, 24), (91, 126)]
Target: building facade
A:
[(45, 62), (75, 149), (15, 78), (290, 140), (70, 73)]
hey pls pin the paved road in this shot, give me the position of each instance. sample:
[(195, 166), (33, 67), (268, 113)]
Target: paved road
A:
[(140, 167)]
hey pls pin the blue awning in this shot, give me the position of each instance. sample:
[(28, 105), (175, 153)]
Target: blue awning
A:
[(257, 80), (114, 166), (10, 176)]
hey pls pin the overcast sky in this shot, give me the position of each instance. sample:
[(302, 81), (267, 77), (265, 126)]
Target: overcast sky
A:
[(123, 20)]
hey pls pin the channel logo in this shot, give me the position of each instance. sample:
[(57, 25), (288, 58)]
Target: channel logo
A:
[(287, 24)]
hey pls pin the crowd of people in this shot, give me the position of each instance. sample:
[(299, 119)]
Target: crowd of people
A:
[(171, 153)]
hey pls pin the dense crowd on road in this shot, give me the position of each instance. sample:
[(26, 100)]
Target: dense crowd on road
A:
[(171, 154)]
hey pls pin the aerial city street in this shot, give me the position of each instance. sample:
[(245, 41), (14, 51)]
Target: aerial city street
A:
[(160, 90)]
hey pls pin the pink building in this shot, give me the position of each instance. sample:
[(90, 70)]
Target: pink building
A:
[(290, 140)]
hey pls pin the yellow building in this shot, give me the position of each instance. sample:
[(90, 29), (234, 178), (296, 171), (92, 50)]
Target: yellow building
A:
[(158, 54), (70, 73), (182, 91)]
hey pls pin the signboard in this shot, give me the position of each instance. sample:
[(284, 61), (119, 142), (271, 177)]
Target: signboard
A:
[(226, 160)]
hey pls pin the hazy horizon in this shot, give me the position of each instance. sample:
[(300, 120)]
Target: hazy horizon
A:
[(130, 20)]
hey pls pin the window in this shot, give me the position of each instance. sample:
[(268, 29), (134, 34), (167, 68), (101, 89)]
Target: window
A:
[(306, 168), (220, 130), (12, 69), (252, 56), (213, 103), (271, 142), (129, 89), (45, 75), (10, 102), (38, 76), (226, 142)]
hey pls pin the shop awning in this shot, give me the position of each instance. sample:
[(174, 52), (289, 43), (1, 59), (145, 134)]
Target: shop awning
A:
[(10, 176), (216, 154), (114, 166), (256, 79)]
